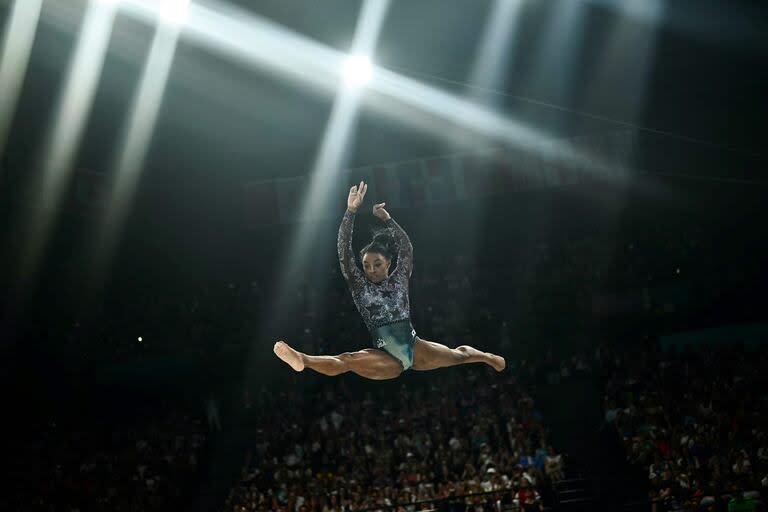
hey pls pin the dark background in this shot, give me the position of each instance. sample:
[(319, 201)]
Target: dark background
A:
[(696, 97)]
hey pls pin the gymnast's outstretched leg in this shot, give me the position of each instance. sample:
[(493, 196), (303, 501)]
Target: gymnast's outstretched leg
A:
[(428, 355), (369, 363)]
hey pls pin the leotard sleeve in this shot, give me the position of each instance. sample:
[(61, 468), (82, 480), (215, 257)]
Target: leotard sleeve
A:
[(349, 269), (404, 249)]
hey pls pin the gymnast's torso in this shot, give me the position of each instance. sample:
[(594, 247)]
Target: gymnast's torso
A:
[(381, 303)]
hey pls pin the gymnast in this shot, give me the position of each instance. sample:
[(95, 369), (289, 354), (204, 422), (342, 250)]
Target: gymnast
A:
[(381, 298)]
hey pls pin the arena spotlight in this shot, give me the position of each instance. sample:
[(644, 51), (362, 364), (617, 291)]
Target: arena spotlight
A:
[(175, 11), (357, 70), (255, 41)]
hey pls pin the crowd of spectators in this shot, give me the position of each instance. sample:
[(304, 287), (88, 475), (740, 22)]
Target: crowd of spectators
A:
[(476, 432), (145, 464), (695, 419)]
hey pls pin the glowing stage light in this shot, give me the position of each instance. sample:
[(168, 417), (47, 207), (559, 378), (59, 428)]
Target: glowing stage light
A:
[(175, 11), (357, 70), (256, 41), (334, 148)]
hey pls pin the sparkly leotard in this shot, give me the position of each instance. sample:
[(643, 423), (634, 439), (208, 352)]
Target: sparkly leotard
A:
[(384, 306), (378, 303)]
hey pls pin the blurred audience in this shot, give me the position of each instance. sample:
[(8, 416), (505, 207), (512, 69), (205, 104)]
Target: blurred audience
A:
[(149, 464), (696, 420), (474, 432)]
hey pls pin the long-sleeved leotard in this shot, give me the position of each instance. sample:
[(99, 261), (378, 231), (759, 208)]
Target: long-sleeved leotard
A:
[(378, 303)]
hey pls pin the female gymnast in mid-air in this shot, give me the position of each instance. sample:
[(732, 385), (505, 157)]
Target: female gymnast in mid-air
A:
[(382, 300)]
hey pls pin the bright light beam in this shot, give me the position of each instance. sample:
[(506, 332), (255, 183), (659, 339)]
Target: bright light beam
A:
[(357, 70), (251, 39), (559, 52), (174, 12), (492, 56), (620, 87), (318, 65), (138, 131), (255, 41), (258, 42), (334, 146), (17, 46), (74, 106), (490, 66), (446, 107), (491, 61)]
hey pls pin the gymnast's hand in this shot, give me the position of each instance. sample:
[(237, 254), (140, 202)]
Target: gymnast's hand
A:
[(356, 195), (380, 212)]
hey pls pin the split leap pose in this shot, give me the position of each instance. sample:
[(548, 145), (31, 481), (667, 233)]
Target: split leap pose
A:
[(382, 300)]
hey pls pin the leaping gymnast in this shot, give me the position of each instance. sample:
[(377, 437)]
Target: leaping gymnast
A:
[(382, 300)]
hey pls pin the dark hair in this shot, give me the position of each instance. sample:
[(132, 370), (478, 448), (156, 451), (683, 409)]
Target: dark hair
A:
[(383, 243)]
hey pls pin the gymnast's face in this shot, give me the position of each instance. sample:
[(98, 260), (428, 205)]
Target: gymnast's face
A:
[(376, 267)]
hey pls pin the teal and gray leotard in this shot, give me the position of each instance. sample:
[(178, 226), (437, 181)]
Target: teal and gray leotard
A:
[(384, 306)]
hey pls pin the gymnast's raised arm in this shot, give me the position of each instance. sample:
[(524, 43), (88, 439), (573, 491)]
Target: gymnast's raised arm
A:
[(344, 243), (404, 246)]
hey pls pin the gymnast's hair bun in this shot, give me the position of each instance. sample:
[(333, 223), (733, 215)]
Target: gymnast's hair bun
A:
[(383, 243)]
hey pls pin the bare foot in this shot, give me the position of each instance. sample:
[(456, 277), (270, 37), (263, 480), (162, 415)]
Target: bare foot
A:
[(290, 356), (497, 362)]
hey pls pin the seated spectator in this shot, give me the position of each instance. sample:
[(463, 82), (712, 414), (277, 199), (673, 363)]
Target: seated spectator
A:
[(527, 498)]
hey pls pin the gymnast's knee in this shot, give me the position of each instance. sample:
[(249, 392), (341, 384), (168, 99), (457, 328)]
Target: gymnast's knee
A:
[(346, 359), (353, 361), (462, 352)]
